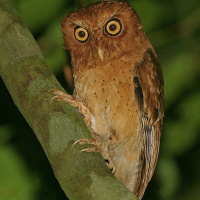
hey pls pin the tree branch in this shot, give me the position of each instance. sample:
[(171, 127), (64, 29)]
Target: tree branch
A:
[(56, 125)]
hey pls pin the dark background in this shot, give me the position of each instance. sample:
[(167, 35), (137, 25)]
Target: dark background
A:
[(173, 28)]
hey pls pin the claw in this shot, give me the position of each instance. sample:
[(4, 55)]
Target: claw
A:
[(86, 141), (78, 141), (76, 103), (90, 149), (54, 92), (96, 148), (111, 166), (50, 90), (55, 97), (113, 170)]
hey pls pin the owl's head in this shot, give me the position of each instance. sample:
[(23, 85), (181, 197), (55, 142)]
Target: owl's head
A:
[(101, 31)]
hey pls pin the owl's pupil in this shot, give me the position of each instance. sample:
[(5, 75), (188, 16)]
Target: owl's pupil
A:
[(112, 27), (81, 34)]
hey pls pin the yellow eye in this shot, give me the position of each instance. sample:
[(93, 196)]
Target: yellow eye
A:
[(113, 27), (81, 34)]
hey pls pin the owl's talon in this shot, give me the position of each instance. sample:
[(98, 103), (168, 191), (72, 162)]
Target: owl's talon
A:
[(113, 170), (90, 149), (81, 142), (111, 165), (87, 141), (50, 90), (75, 143), (82, 107), (96, 148), (55, 97)]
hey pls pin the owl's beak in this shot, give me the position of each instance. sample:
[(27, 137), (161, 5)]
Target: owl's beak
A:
[(101, 54)]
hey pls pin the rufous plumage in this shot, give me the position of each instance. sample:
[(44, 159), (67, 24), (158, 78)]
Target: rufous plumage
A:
[(119, 88)]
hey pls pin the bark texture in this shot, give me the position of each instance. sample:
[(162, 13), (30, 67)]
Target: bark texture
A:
[(57, 125)]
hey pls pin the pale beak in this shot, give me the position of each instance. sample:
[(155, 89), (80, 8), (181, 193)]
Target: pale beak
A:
[(101, 53)]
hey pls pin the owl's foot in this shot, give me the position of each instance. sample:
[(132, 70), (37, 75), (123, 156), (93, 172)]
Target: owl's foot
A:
[(98, 147), (82, 107)]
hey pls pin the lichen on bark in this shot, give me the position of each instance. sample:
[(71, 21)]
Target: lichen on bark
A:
[(56, 125)]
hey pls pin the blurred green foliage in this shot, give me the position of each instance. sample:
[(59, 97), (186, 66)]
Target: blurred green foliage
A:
[(174, 30)]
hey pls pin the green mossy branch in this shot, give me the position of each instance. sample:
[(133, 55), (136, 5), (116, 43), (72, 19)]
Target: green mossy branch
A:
[(57, 125)]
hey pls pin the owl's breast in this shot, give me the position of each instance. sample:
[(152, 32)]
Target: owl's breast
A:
[(108, 91)]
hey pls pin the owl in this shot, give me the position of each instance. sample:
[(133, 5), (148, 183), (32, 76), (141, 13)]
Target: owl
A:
[(119, 89)]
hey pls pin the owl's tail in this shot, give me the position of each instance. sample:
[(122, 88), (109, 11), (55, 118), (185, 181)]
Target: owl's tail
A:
[(130, 172), (142, 184)]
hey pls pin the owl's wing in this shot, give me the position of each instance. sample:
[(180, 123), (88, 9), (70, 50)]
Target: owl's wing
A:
[(149, 92)]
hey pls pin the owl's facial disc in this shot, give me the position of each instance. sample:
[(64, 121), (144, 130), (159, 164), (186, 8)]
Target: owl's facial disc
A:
[(113, 27), (81, 34)]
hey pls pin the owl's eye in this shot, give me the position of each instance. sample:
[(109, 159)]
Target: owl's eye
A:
[(81, 34), (113, 27)]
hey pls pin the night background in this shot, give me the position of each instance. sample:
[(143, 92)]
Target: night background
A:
[(173, 27)]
